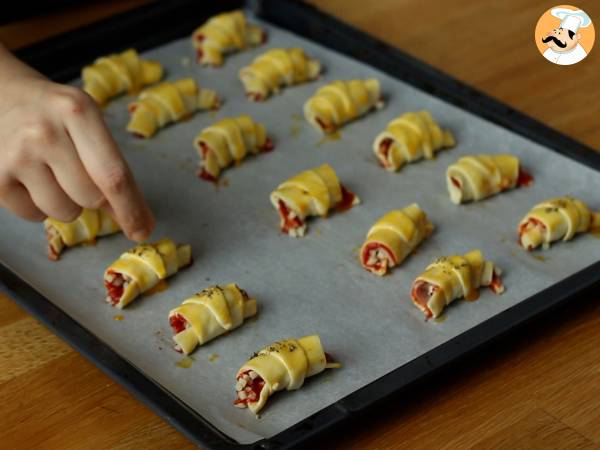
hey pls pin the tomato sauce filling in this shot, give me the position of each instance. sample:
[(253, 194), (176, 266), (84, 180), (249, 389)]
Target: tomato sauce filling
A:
[(532, 222), (421, 294), (268, 145), (199, 37), (264, 36), (496, 284), (524, 178), (114, 292), (347, 200), (374, 246), (384, 150), (326, 127), (255, 96), (455, 182), (252, 389), (199, 54), (288, 223)]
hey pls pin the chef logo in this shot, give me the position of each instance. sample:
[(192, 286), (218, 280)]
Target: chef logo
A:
[(564, 35)]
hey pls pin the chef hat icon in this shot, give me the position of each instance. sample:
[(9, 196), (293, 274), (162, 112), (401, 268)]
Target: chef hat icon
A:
[(571, 19)]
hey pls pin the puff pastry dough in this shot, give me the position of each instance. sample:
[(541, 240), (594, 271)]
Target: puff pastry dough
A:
[(225, 33), (115, 74), (452, 277), (476, 177), (209, 314), (339, 102), (393, 237), (410, 137), (141, 268), (556, 219), (310, 193), (229, 141), (90, 224), (282, 365), (166, 103), (276, 68)]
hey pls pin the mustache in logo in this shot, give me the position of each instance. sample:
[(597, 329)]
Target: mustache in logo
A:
[(556, 41)]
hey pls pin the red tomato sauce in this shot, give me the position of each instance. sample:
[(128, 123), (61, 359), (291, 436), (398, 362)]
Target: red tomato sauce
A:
[(256, 386), (375, 246), (267, 146), (384, 149), (288, 224), (524, 179), (347, 200), (178, 323), (420, 295), (114, 292)]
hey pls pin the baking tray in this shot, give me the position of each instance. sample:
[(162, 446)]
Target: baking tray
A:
[(332, 302)]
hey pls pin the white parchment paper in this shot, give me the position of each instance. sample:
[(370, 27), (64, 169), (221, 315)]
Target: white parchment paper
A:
[(309, 285)]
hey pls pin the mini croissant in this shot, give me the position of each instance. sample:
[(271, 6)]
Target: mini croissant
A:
[(228, 142), (115, 74), (141, 268), (310, 193), (340, 102), (393, 237), (209, 314), (166, 103), (409, 138), (276, 68), (282, 365), (225, 33), (90, 224), (477, 177), (452, 277), (556, 219)]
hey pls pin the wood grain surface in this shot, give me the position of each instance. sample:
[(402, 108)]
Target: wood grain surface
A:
[(536, 389)]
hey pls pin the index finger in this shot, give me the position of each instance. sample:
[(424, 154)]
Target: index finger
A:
[(105, 164)]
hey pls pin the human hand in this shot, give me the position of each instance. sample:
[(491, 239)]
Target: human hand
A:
[(58, 155)]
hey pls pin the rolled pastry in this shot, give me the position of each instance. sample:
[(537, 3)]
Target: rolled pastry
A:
[(229, 141), (115, 74), (277, 68), (209, 314), (90, 224), (310, 193), (452, 277), (282, 365), (393, 237), (410, 137), (339, 102), (225, 33), (141, 268), (168, 102), (556, 219), (476, 177)]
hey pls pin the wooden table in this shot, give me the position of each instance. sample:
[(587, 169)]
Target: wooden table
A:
[(540, 388)]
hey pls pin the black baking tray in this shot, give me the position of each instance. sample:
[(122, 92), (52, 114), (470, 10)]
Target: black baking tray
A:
[(62, 57)]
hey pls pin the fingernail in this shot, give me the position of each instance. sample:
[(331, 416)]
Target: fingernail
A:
[(139, 235)]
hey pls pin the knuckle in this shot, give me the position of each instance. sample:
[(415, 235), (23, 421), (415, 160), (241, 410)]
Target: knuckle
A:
[(71, 101), (37, 133)]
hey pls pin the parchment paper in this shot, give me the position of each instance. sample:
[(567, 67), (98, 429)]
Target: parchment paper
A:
[(309, 285)]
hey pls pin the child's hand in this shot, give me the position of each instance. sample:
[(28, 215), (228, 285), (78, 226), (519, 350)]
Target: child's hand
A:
[(58, 156)]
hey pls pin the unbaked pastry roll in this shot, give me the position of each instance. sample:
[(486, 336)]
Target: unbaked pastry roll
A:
[(339, 102), (225, 33), (393, 237), (229, 141), (90, 224), (451, 277), (141, 268), (277, 68), (310, 193), (115, 74), (282, 365), (209, 314), (410, 137), (556, 219), (168, 102), (476, 177)]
